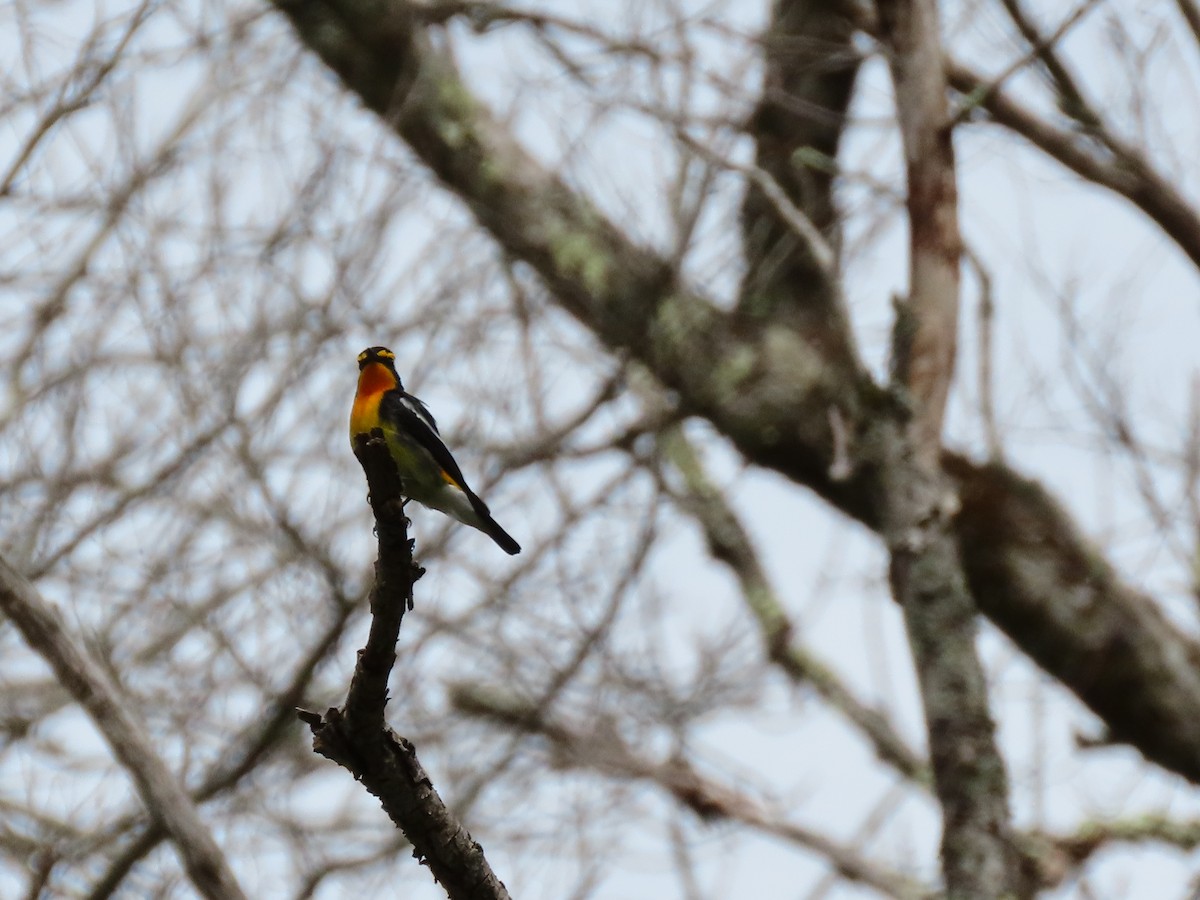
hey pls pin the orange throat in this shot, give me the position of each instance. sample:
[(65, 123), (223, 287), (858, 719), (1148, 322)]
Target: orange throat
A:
[(373, 382)]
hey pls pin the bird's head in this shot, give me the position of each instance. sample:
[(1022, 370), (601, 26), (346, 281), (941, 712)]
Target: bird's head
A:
[(377, 370), (381, 355)]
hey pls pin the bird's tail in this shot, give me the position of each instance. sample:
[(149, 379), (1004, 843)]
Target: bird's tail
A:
[(491, 527), (493, 530)]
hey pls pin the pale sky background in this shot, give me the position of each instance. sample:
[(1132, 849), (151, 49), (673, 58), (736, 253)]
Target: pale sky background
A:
[(1044, 239)]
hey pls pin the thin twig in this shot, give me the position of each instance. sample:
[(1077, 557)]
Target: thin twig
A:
[(159, 788), (730, 543), (603, 751), (987, 401), (795, 218)]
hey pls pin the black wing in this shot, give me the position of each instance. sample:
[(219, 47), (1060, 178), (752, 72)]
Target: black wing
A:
[(420, 410), (410, 416)]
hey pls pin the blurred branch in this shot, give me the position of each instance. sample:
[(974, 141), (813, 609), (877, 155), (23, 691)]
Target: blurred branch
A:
[(483, 15), (797, 125), (590, 644), (356, 736), (116, 204), (884, 810), (926, 344), (1124, 169), (552, 437), (1057, 858), (603, 751), (1092, 150), (1089, 369), (1190, 454), (72, 99), (1094, 836), (1190, 11), (241, 757), (316, 876), (1012, 532), (729, 542), (978, 857), (813, 244), (769, 389), (986, 351), (1070, 98), (159, 789), (131, 494), (969, 103)]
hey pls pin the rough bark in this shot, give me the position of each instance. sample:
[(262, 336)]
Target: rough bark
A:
[(356, 736), (978, 856), (797, 126)]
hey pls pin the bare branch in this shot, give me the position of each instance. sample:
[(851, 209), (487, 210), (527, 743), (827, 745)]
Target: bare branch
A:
[(978, 856), (1124, 170), (986, 352), (1190, 11), (729, 542), (709, 199), (605, 752), (1039, 48), (770, 390), (72, 99), (159, 789), (241, 759), (797, 126), (813, 243), (928, 335), (1070, 98), (1055, 858), (356, 736)]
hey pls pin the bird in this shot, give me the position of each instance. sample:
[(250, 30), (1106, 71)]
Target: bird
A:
[(428, 472)]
